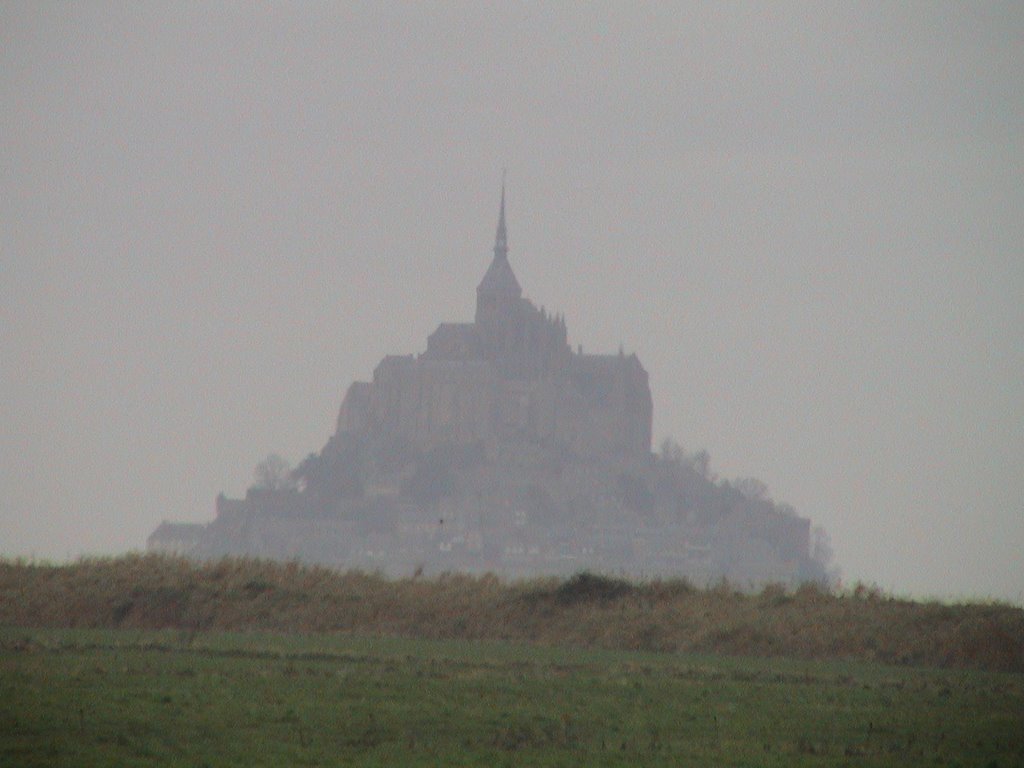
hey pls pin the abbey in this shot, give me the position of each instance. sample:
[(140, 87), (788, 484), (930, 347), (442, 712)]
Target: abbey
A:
[(501, 449), (508, 376)]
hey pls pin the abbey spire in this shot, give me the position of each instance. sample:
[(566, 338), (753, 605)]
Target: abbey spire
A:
[(501, 238), (499, 285)]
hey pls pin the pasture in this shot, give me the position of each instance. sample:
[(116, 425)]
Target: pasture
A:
[(108, 697)]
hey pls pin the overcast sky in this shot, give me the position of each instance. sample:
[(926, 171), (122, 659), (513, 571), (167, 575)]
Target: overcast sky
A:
[(806, 219)]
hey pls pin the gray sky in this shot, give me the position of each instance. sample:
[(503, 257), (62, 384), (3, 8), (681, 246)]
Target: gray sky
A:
[(807, 220)]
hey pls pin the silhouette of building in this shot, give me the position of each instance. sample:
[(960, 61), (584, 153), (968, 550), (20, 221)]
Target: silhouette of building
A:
[(509, 375), (499, 448)]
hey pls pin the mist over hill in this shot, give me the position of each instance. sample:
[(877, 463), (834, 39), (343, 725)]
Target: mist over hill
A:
[(501, 449), (805, 221)]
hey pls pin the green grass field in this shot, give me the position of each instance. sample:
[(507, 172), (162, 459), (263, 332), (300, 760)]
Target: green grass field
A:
[(172, 697)]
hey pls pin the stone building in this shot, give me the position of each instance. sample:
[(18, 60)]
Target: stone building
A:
[(509, 375), (499, 448)]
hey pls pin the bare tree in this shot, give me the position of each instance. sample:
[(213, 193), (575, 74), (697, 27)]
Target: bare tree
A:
[(274, 474)]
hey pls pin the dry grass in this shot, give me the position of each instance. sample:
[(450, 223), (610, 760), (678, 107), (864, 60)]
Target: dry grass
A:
[(149, 592)]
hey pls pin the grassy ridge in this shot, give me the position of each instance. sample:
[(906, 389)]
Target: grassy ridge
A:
[(142, 697), (154, 592)]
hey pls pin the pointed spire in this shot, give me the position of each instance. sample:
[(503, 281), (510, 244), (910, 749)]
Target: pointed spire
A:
[(499, 281), (501, 239)]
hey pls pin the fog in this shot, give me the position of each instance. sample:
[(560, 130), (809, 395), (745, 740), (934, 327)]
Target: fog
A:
[(806, 219)]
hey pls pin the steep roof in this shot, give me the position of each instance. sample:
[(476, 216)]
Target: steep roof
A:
[(499, 278)]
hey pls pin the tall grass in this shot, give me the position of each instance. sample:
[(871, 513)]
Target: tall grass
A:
[(151, 592)]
